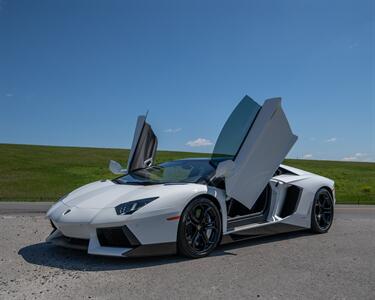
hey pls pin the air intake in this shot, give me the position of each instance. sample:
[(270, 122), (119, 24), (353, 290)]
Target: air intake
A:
[(117, 237)]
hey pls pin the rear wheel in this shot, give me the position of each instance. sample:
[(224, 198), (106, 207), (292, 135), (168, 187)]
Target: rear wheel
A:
[(199, 231), (322, 211)]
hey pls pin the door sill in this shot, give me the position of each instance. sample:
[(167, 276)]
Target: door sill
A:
[(245, 220)]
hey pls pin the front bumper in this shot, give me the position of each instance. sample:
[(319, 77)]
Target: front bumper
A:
[(103, 246), (103, 232)]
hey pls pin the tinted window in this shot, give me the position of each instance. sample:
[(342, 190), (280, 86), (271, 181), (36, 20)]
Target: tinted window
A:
[(180, 171), (235, 129)]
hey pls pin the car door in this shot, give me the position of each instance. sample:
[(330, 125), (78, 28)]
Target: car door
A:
[(143, 150), (256, 139)]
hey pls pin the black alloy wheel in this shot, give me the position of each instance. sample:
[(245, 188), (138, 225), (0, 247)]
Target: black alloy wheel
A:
[(199, 230), (322, 211)]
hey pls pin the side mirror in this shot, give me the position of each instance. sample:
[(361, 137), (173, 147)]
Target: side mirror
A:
[(148, 162), (116, 168)]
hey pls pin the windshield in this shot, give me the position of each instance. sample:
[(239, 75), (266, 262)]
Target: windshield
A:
[(235, 130), (179, 171)]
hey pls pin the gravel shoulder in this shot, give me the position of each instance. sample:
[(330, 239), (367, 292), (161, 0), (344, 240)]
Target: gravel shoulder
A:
[(336, 265)]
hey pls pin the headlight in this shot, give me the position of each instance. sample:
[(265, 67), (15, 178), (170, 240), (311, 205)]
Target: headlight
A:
[(129, 207)]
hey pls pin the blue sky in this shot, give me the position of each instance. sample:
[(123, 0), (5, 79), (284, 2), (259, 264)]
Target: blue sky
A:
[(79, 72)]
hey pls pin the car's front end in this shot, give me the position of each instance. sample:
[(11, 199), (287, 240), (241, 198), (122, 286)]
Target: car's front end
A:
[(122, 218), (102, 231)]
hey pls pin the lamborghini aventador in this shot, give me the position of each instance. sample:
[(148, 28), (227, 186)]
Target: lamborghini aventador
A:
[(190, 206)]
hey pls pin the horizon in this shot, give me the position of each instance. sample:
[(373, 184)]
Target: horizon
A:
[(174, 151)]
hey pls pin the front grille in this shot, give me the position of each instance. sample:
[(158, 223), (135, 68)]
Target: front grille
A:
[(117, 237)]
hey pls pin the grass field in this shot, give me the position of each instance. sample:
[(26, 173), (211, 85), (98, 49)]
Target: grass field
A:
[(44, 173)]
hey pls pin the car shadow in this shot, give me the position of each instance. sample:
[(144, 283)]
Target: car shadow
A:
[(45, 254)]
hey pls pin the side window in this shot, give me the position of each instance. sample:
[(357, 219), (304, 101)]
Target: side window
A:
[(176, 173), (235, 130)]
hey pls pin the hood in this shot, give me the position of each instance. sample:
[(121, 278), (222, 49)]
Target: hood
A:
[(103, 194)]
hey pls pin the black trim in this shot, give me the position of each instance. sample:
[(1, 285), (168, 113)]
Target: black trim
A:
[(137, 250), (117, 237), (293, 194), (245, 220), (152, 250), (260, 231), (131, 237), (53, 225), (79, 242), (68, 242)]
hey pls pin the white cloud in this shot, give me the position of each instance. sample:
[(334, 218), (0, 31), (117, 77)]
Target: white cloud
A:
[(357, 156), (172, 130), (199, 142), (350, 158), (331, 140), (9, 95), (307, 156)]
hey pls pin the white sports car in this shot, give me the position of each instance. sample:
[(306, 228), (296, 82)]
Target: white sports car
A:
[(190, 206)]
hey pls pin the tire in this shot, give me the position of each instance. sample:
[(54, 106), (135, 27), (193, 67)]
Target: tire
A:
[(322, 211), (200, 228)]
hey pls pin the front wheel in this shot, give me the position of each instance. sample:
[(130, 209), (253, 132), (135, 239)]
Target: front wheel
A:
[(322, 211), (199, 231)]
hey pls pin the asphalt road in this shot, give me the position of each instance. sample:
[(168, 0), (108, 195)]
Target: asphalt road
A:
[(336, 265)]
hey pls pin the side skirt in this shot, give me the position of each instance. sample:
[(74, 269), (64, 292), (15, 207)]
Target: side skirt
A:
[(260, 231), (232, 223)]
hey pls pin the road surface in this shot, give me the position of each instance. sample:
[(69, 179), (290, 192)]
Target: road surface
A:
[(336, 265)]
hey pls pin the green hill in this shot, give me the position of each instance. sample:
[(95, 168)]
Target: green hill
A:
[(44, 173)]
